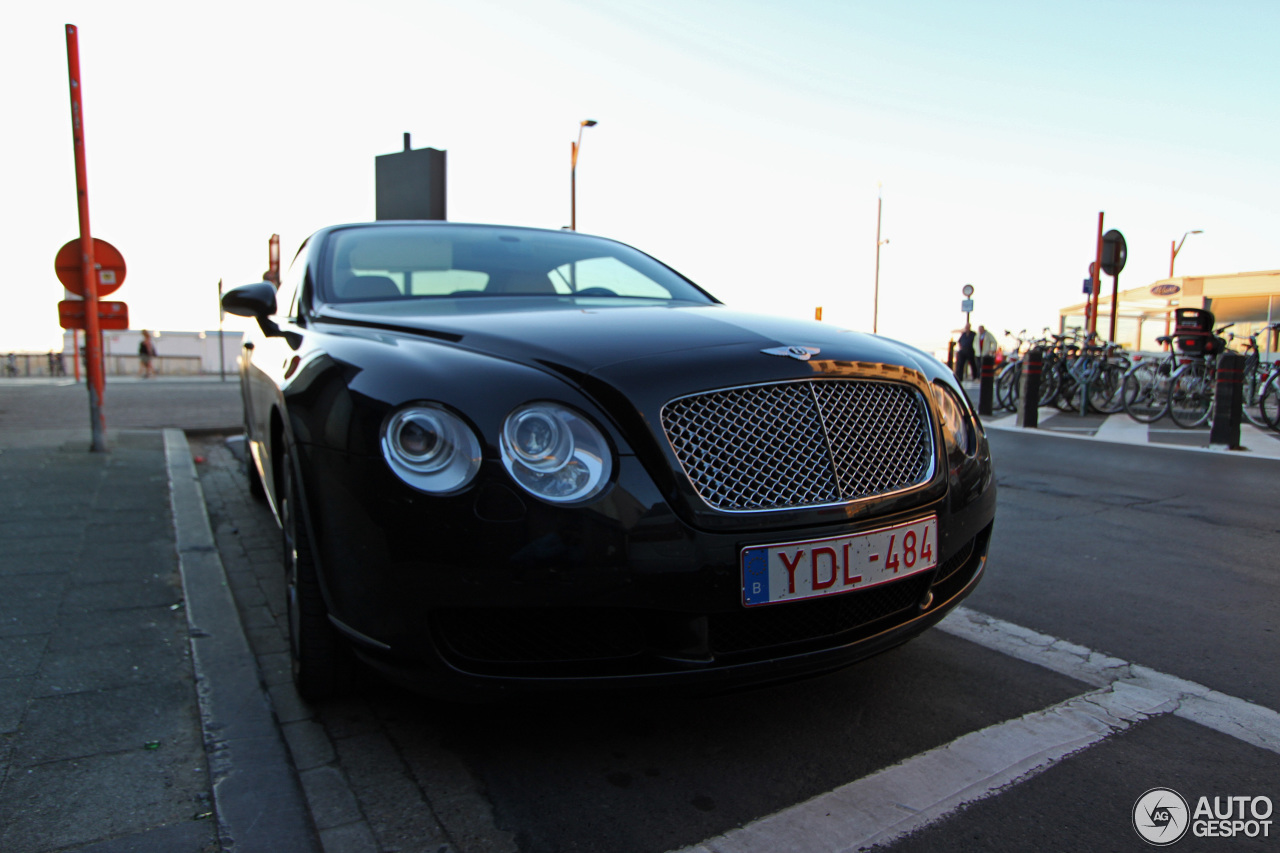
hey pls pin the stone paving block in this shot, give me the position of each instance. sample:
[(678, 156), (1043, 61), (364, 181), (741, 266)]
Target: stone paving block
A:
[(56, 527), (196, 836), (126, 595), (257, 617), (332, 803), (157, 566), (101, 721), (14, 694), (116, 794), (276, 668), (352, 838), (265, 641), (287, 704), (35, 564), (109, 667), (308, 744), (21, 655), (128, 626), (99, 537), (250, 596)]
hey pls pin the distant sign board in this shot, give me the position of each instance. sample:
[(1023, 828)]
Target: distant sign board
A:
[(106, 258), (1088, 286), (967, 306), (111, 315), (1165, 289)]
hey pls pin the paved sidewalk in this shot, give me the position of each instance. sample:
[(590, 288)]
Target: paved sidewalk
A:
[(132, 714), (1122, 429), (101, 731)]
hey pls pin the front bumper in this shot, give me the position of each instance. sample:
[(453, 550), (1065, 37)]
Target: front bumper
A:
[(495, 593)]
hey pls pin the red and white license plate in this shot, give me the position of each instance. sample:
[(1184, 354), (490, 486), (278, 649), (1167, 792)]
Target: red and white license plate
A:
[(797, 570)]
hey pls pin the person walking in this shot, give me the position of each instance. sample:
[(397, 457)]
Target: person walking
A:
[(987, 343), (146, 353), (965, 354)]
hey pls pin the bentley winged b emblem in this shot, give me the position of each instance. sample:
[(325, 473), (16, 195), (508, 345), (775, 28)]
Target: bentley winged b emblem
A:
[(800, 353)]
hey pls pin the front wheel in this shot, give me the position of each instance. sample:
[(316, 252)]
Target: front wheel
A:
[(323, 665), (1269, 402), (1191, 396), (1007, 386), (1106, 391), (1253, 385)]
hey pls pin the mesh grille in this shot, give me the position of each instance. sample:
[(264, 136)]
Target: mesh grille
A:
[(801, 443)]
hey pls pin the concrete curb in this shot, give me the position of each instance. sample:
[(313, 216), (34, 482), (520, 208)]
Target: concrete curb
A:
[(257, 796)]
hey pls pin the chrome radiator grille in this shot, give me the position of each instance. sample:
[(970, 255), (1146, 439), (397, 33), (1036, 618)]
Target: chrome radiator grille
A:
[(800, 444)]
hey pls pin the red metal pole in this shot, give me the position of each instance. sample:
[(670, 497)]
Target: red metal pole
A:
[(1097, 278), (92, 329)]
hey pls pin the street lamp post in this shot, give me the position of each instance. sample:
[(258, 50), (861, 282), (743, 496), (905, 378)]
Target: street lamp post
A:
[(573, 175), (1174, 249), (875, 305)]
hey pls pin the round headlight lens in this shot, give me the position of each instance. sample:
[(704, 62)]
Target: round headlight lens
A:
[(555, 454), (430, 448), (957, 426), (539, 440)]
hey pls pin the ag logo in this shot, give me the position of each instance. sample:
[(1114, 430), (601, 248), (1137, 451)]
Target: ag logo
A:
[(1160, 816)]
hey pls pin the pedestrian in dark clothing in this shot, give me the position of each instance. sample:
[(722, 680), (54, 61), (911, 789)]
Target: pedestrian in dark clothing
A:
[(965, 355)]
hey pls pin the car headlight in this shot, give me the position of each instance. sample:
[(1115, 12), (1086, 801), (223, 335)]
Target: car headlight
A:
[(554, 453), (957, 426), (430, 448)]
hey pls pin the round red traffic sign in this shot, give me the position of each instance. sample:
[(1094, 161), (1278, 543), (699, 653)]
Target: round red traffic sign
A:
[(106, 259)]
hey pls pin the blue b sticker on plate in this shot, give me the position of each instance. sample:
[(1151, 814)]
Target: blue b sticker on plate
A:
[(755, 575)]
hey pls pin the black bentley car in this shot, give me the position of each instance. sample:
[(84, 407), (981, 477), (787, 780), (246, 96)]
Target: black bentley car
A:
[(508, 459)]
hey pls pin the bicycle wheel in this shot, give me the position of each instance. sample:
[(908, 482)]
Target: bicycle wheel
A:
[(1106, 391), (1048, 382), (1252, 384), (1007, 386), (1145, 396), (1191, 395), (1269, 402)]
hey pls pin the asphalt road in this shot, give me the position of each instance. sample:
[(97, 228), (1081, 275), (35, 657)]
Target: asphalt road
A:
[(1163, 558)]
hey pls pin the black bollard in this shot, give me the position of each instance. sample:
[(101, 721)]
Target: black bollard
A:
[(1029, 399), (1228, 401), (986, 390)]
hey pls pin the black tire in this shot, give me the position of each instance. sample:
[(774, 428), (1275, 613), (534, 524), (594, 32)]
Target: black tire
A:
[(254, 479), (1191, 396), (323, 664), (1146, 397), (1049, 381), (1008, 386), (1269, 403), (1252, 386), (1067, 397), (1106, 391)]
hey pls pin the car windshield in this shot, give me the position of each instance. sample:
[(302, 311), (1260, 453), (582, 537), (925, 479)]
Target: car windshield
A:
[(429, 262)]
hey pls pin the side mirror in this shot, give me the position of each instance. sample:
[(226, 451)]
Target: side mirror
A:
[(251, 300), (258, 300)]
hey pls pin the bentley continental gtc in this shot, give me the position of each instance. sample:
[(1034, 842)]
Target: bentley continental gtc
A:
[(509, 460)]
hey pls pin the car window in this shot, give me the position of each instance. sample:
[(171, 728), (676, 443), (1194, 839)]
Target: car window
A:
[(417, 261), (607, 277)]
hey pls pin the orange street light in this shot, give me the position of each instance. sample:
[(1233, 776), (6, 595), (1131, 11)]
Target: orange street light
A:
[(573, 175)]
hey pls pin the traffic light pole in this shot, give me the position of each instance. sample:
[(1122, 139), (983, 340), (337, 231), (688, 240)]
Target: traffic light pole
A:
[(92, 328)]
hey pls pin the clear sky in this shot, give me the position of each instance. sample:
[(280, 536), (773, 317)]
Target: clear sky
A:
[(741, 142)]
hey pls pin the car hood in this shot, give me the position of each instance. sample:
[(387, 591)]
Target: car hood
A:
[(689, 345)]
